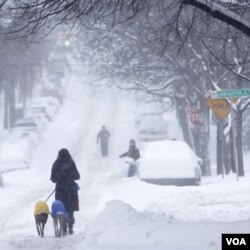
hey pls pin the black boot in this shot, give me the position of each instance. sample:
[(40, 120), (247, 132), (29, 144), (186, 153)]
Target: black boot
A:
[(64, 232), (71, 222), (71, 231)]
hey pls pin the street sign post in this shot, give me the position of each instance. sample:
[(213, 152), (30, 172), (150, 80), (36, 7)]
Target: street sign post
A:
[(230, 93), (220, 106), (195, 116)]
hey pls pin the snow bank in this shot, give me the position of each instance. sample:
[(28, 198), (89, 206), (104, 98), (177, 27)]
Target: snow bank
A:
[(120, 226)]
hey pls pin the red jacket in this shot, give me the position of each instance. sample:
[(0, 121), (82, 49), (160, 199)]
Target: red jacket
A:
[(103, 136)]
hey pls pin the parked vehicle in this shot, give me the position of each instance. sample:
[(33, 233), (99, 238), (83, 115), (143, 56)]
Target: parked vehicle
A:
[(27, 126), (169, 162), (145, 110), (37, 110), (51, 104), (152, 128), (15, 155), (39, 119), (57, 68), (53, 88), (17, 134), (58, 65)]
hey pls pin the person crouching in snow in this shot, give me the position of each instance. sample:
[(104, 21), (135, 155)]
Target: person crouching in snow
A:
[(64, 173), (103, 136)]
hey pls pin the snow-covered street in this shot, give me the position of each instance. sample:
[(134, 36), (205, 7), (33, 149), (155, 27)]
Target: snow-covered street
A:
[(116, 212)]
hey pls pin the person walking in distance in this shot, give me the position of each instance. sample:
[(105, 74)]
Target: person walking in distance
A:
[(103, 136), (134, 153), (64, 173)]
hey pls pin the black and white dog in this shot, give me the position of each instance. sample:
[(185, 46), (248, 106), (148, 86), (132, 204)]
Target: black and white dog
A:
[(41, 216), (60, 217)]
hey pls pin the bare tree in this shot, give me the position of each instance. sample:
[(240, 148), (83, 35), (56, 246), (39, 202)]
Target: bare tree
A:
[(178, 39), (20, 63), (35, 14), (138, 58)]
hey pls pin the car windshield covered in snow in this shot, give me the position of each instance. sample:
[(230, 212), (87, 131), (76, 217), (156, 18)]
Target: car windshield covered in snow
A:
[(37, 110), (152, 128), (27, 126)]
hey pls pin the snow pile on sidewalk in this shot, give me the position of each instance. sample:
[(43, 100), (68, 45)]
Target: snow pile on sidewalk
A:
[(120, 226)]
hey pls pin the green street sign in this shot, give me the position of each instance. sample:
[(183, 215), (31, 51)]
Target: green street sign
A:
[(230, 93)]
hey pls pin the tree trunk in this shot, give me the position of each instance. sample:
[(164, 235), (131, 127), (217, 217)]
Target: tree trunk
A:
[(12, 103), (183, 120), (219, 150), (9, 103), (31, 80), (196, 139), (226, 149), (6, 120), (227, 156), (233, 167), (24, 88), (205, 135)]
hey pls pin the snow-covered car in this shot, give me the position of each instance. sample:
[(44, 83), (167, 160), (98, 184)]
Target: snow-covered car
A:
[(58, 67), (27, 126), (51, 103), (15, 155), (54, 87), (40, 120), (143, 115), (169, 162), (18, 134), (146, 110), (38, 110), (152, 128)]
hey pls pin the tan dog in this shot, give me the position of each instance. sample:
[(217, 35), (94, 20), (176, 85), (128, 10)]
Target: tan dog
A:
[(41, 216)]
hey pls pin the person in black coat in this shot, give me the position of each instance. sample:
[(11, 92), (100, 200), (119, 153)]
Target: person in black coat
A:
[(64, 173), (134, 153)]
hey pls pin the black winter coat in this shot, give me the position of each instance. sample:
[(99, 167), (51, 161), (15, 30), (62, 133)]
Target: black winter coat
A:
[(64, 173), (133, 152)]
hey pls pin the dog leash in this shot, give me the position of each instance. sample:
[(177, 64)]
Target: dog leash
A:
[(50, 195)]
